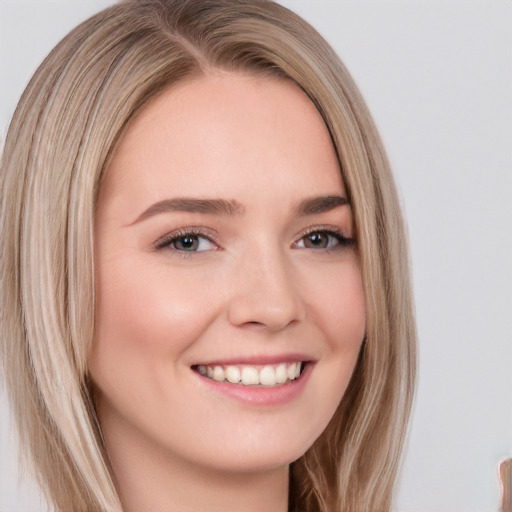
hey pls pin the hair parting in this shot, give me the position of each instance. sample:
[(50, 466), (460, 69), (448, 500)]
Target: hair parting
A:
[(57, 151)]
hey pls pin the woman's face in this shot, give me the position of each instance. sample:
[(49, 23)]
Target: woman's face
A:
[(224, 267)]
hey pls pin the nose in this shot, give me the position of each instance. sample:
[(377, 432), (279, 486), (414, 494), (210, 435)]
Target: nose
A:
[(265, 293)]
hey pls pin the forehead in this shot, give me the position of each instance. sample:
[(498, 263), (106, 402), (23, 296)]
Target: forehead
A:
[(224, 135)]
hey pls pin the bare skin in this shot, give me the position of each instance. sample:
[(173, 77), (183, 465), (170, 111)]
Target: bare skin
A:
[(223, 240)]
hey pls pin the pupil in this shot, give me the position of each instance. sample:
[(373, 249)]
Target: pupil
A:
[(317, 239), (187, 243)]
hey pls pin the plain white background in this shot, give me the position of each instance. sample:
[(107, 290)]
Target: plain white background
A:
[(437, 76)]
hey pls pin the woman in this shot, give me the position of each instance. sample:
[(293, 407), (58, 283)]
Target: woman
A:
[(204, 296)]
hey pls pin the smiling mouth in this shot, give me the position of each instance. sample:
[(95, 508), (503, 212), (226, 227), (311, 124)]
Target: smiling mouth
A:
[(269, 375)]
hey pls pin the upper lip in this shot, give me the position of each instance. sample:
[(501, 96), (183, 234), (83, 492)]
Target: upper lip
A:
[(257, 360)]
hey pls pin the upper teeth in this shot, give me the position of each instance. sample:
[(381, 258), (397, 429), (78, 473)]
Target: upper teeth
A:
[(268, 375)]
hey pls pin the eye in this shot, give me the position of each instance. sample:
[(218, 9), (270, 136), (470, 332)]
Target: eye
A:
[(323, 239), (186, 241), (191, 243)]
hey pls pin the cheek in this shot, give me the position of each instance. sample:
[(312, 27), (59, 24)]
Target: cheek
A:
[(348, 312), (144, 315), (342, 315), (336, 299)]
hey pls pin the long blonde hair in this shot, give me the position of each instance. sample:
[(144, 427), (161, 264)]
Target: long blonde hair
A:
[(57, 148)]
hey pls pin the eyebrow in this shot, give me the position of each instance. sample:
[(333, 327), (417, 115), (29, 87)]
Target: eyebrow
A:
[(192, 205), (310, 206), (321, 204)]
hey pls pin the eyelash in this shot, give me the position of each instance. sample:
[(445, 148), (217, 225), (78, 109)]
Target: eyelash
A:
[(166, 241), (343, 241)]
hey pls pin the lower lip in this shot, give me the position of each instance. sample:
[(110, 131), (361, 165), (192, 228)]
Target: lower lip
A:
[(261, 395)]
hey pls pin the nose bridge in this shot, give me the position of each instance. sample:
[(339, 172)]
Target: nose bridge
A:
[(264, 290)]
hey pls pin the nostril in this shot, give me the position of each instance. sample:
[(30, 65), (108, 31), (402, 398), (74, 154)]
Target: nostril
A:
[(266, 296), (248, 313)]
